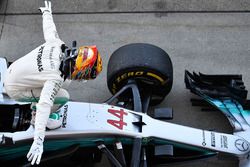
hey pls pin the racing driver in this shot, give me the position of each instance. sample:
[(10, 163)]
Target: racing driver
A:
[(40, 75)]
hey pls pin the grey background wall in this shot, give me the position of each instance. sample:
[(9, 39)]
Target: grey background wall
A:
[(68, 6), (208, 36)]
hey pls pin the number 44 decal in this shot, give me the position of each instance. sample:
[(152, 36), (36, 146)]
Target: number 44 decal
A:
[(119, 114)]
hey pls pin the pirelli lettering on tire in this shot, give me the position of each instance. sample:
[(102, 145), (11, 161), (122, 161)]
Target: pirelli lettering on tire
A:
[(134, 74), (129, 74)]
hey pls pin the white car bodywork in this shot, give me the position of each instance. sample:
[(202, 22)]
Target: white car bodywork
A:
[(88, 119)]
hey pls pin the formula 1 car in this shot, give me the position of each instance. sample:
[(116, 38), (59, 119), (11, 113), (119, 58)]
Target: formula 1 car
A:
[(122, 128)]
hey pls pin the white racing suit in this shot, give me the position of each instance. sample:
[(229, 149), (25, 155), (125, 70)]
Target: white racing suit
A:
[(37, 76)]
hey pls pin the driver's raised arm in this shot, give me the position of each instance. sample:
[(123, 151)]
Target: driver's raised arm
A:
[(49, 28)]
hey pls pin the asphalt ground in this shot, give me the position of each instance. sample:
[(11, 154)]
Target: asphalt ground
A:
[(207, 42)]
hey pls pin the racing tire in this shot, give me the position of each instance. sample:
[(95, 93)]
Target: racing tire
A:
[(149, 65)]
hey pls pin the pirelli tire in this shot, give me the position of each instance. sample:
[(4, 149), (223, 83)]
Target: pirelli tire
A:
[(149, 65)]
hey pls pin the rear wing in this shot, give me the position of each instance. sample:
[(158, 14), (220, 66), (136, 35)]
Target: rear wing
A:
[(3, 68)]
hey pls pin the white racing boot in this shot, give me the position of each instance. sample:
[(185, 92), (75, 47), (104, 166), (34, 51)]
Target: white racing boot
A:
[(54, 121)]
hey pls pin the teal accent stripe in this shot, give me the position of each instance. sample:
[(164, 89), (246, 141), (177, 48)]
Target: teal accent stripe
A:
[(230, 107), (15, 151), (58, 100)]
